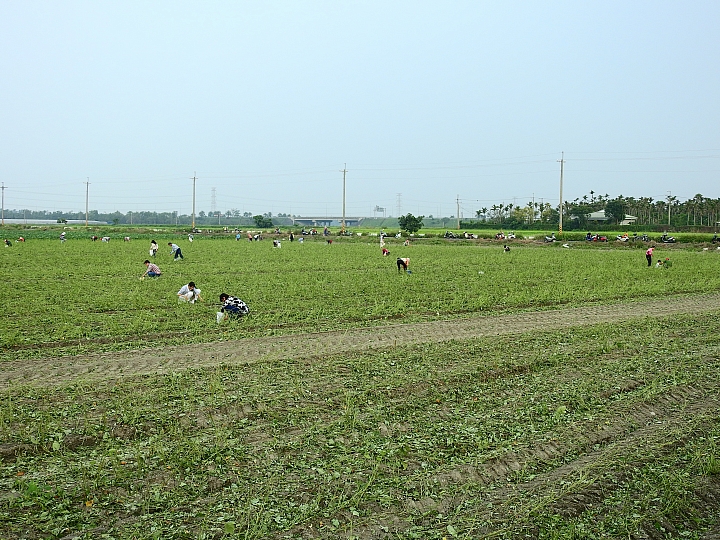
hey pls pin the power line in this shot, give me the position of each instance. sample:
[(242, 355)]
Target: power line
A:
[(342, 228), (87, 194), (193, 211), (3, 204)]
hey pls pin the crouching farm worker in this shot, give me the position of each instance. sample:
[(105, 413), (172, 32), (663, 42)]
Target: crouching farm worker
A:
[(403, 264), (152, 270), (189, 293), (175, 250), (232, 307)]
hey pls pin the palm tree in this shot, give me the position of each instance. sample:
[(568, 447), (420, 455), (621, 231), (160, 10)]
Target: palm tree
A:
[(697, 202)]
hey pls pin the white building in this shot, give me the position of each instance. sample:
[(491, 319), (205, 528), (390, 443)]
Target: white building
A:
[(600, 217)]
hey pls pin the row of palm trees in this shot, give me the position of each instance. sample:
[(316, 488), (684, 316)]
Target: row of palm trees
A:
[(697, 211), (529, 213)]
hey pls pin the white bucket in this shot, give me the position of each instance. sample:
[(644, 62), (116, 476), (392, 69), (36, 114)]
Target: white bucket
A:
[(219, 316)]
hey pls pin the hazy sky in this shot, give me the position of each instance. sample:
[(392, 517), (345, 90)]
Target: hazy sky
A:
[(424, 101)]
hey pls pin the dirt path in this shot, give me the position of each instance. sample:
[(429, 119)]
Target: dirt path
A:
[(115, 365)]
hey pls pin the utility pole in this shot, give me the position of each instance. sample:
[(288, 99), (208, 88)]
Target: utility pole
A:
[(457, 200), (193, 212), (87, 194), (342, 227), (533, 209), (3, 203), (669, 200), (399, 204), (562, 163)]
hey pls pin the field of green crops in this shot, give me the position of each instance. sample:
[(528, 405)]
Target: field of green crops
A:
[(603, 431), (84, 296)]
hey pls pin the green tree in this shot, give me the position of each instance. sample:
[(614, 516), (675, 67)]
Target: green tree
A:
[(615, 210), (262, 222), (410, 223)]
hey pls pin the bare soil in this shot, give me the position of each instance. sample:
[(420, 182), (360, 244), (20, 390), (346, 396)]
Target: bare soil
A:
[(115, 365)]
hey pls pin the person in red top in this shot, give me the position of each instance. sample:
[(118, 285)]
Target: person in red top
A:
[(649, 254), (152, 270)]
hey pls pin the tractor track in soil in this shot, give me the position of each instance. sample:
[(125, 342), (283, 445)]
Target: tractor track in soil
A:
[(117, 365)]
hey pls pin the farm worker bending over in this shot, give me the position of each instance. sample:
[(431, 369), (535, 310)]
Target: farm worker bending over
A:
[(174, 248), (189, 293), (648, 255), (153, 248), (152, 270), (403, 263), (232, 307)]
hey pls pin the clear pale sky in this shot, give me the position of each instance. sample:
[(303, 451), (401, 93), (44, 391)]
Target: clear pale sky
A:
[(266, 101)]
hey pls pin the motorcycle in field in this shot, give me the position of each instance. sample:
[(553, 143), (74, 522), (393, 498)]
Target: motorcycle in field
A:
[(665, 239), (550, 239)]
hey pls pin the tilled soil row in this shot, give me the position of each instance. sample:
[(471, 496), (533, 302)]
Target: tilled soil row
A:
[(116, 365), (576, 485)]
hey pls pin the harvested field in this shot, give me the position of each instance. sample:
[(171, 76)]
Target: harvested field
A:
[(557, 394), (566, 423)]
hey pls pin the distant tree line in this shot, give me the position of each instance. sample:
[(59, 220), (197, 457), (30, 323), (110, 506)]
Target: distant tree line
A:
[(699, 211), (228, 218)]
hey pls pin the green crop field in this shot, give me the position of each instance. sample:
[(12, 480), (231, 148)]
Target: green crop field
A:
[(547, 392), (84, 296)]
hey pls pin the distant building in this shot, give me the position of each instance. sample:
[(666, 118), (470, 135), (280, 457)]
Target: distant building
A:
[(600, 217)]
